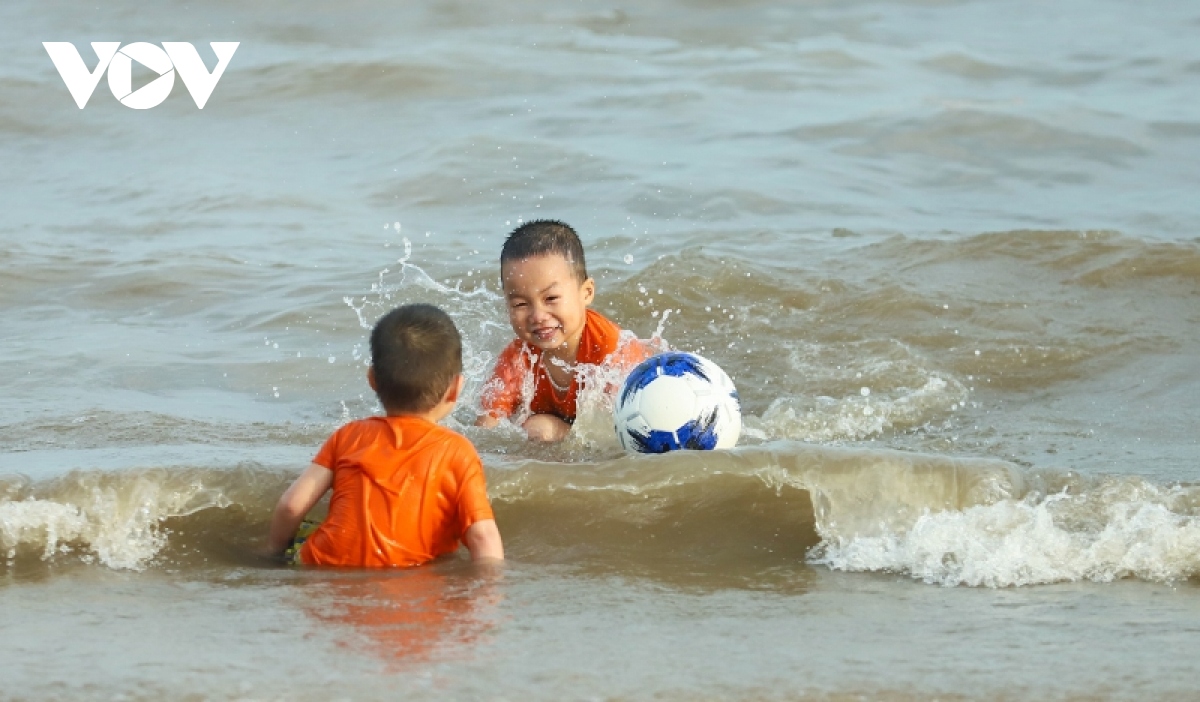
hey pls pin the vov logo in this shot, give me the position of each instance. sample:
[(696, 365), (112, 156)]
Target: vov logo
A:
[(173, 57)]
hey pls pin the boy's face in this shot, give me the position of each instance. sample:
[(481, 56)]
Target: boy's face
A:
[(547, 305)]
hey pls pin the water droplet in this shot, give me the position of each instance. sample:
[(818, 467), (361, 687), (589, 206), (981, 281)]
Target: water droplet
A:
[(628, 258), (333, 359), (865, 391)]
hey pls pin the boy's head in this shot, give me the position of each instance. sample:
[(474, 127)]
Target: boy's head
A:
[(545, 237), (546, 285), (416, 354)]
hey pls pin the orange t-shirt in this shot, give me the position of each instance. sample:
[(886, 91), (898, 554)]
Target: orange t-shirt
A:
[(504, 393), (405, 490)]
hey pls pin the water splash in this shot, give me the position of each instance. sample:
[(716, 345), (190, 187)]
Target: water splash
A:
[(1100, 536), (115, 519), (861, 415)]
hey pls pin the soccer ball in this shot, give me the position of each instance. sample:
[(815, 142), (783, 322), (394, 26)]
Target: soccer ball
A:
[(677, 400)]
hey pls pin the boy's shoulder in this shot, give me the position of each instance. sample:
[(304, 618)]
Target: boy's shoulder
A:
[(401, 432), (600, 323), (383, 448), (357, 429), (601, 337)]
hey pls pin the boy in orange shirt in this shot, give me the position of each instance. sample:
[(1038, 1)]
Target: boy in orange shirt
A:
[(547, 288), (405, 490)]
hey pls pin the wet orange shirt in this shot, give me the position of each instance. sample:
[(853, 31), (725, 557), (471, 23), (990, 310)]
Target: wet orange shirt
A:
[(405, 490), (503, 394)]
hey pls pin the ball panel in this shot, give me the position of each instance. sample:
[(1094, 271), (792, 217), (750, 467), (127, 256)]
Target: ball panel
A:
[(667, 402), (677, 400)]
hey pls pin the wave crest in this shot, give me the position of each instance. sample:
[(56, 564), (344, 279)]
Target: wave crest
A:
[(1036, 540)]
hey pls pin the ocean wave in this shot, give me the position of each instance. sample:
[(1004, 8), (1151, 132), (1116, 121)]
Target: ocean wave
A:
[(861, 415), (972, 136), (1033, 541), (367, 79), (116, 519), (95, 428), (744, 514), (1090, 258)]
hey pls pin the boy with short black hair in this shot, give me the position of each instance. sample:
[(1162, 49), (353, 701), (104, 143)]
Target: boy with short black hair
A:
[(405, 490), (547, 289)]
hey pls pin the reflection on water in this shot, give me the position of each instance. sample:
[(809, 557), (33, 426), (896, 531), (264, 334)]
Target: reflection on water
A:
[(407, 618)]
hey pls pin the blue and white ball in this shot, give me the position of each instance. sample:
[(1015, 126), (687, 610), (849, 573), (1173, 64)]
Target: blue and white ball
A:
[(677, 400)]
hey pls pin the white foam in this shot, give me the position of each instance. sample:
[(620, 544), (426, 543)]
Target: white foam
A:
[(1032, 541), (859, 416), (114, 519), (39, 523)]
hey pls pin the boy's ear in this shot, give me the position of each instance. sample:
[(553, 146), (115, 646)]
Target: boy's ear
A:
[(588, 291), (371, 378), (455, 389)]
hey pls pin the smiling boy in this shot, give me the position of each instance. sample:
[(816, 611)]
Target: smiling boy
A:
[(547, 291)]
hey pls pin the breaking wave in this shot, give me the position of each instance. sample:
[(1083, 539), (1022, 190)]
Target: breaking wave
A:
[(745, 514)]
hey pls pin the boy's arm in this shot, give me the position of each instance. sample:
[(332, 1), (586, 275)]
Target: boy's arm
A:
[(483, 541), (296, 501), (501, 394)]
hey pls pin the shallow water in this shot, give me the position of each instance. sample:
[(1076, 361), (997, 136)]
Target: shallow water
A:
[(946, 251)]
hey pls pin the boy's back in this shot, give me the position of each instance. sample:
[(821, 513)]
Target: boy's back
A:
[(404, 491)]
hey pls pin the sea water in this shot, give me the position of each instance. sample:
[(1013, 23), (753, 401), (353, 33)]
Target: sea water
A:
[(947, 250)]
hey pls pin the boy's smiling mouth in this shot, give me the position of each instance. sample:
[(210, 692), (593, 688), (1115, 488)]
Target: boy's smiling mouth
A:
[(546, 333)]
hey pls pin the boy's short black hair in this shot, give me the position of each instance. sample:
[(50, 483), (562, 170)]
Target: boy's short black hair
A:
[(416, 352), (544, 237)]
